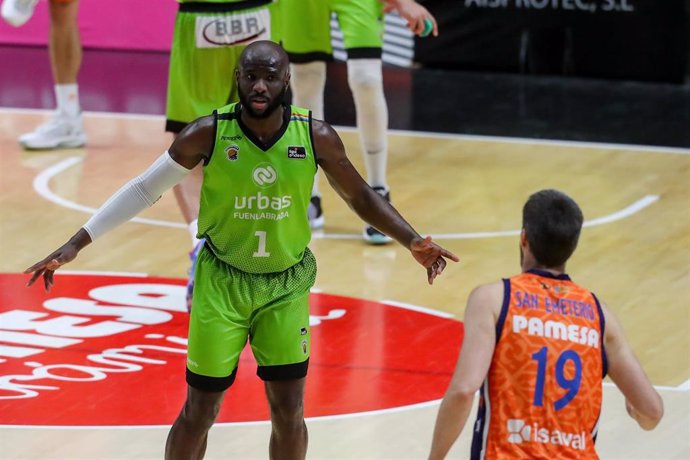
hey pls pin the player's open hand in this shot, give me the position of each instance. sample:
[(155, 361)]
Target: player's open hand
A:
[(47, 266), (432, 256)]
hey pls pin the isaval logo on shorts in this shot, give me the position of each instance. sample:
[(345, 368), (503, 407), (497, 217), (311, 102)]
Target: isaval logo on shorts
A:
[(264, 175)]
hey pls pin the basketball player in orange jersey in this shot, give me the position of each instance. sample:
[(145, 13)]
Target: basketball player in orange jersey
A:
[(538, 345)]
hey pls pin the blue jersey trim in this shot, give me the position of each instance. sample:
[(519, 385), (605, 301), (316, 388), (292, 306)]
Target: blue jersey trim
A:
[(504, 308), (602, 327), (545, 274), (478, 430)]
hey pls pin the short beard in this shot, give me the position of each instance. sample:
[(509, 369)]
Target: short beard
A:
[(272, 107)]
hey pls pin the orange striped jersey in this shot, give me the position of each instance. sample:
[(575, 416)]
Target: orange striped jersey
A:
[(542, 395)]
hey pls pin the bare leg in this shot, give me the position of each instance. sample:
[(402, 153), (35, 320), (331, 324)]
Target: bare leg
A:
[(289, 436), (65, 129), (189, 434), (64, 42)]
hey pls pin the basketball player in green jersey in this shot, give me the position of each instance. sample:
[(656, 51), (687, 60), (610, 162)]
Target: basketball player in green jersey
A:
[(309, 48), (208, 38), (254, 273)]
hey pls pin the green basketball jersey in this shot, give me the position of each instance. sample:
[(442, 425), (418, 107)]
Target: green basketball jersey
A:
[(254, 196)]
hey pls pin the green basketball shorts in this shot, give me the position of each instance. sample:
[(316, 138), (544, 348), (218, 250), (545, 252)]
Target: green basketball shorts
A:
[(306, 28), (230, 306), (206, 47)]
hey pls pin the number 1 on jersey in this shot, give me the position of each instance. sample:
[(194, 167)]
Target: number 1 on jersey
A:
[(261, 251)]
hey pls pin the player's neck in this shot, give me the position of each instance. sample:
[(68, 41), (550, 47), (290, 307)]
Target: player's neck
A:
[(264, 128), (529, 263)]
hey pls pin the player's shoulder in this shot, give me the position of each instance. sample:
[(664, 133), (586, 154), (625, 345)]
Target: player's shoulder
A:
[(322, 128), (488, 290), (327, 142), (197, 136), (487, 296)]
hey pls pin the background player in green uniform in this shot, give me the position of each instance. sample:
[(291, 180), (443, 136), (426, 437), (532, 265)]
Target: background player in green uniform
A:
[(361, 23), (262, 78)]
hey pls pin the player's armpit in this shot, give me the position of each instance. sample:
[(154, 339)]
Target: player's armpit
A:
[(195, 142)]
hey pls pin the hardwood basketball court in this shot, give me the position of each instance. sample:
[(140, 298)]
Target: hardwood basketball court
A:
[(465, 191)]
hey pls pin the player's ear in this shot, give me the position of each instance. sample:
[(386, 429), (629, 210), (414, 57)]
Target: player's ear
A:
[(523, 238)]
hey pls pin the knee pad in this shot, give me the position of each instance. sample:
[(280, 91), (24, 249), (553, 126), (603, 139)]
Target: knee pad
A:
[(364, 74)]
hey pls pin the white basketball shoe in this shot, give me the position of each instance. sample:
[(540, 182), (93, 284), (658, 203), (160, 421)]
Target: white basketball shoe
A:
[(372, 235), (60, 132), (17, 12), (315, 213)]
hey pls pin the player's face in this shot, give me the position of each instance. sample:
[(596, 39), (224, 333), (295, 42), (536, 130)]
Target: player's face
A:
[(261, 88)]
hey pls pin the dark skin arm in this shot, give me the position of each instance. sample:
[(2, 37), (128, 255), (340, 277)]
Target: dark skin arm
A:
[(369, 205), (190, 147)]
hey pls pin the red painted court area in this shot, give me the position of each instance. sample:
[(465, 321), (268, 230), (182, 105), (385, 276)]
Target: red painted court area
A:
[(110, 350)]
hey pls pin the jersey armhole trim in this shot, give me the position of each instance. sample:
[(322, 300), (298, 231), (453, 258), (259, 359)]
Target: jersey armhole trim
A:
[(602, 327), (311, 139), (504, 308), (207, 160)]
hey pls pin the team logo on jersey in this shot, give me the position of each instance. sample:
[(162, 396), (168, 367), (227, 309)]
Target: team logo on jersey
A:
[(264, 175), (232, 151), (518, 431), (299, 153), (561, 290)]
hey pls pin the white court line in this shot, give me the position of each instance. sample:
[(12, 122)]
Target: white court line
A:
[(99, 273), (685, 386), (401, 132), (41, 186), (43, 189), (408, 306)]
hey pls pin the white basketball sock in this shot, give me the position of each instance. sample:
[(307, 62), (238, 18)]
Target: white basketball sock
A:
[(315, 187), (193, 228), (67, 97), (366, 82), (307, 82)]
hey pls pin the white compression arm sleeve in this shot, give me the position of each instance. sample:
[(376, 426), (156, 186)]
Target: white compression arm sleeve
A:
[(135, 196)]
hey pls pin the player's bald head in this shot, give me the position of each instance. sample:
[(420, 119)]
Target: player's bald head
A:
[(264, 53)]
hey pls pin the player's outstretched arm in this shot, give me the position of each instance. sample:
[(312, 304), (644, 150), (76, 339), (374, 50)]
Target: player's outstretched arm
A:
[(473, 364), (369, 205), (414, 13), (193, 145), (642, 401)]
